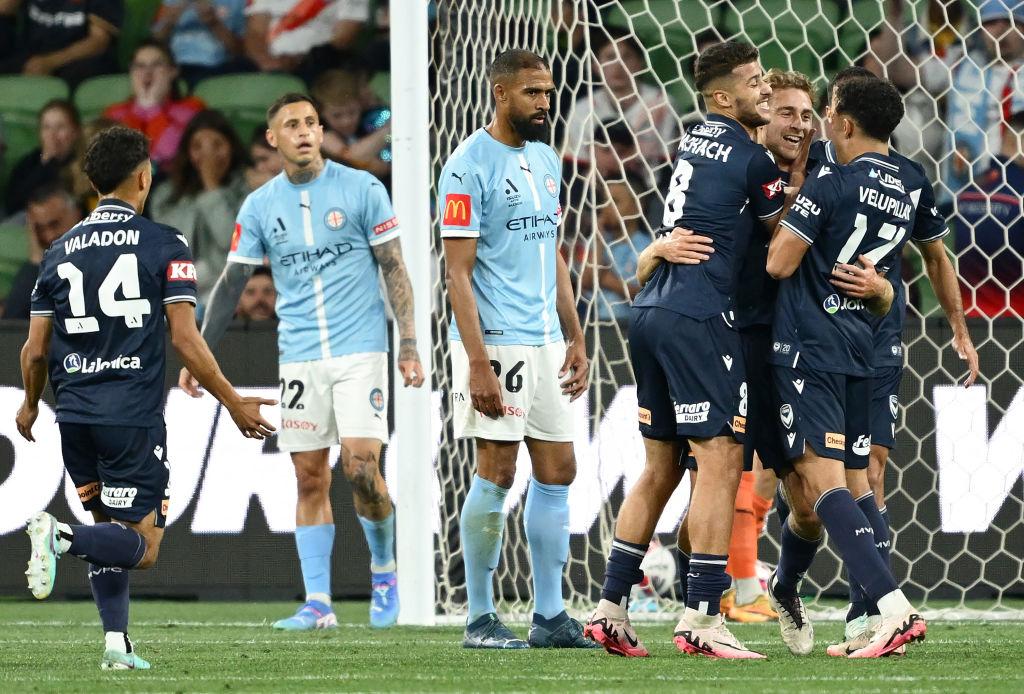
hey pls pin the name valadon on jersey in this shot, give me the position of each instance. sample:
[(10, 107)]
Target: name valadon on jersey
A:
[(722, 184), (843, 212)]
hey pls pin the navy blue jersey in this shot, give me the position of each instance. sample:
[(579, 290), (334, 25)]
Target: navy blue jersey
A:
[(866, 207), (929, 225), (105, 283), (757, 290), (723, 182)]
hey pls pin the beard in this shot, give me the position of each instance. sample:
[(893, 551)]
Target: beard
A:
[(530, 131)]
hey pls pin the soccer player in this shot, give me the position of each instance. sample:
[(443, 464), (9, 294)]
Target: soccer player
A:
[(929, 230), (687, 356), (518, 356), (104, 292), (851, 217), (327, 230)]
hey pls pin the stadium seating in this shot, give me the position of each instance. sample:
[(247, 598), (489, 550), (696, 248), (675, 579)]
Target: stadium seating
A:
[(138, 19), (13, 252), (244, 98), (21, 98), (95, 94)]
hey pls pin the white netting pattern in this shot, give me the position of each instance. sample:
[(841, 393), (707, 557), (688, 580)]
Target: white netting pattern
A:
[(617, 118)]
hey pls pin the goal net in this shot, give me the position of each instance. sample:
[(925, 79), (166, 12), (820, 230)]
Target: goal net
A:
[(623, 70)]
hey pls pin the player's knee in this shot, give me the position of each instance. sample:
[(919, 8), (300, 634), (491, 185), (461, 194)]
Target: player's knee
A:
[(311, 482), (876, 474), (151, 554)]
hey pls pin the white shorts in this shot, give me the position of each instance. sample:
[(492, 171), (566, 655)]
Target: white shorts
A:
[(530, 392), (326, 400)]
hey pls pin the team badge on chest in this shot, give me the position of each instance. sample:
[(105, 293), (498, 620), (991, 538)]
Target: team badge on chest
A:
[(551, 185), (334, 219)]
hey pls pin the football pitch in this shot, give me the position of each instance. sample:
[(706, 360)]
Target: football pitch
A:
[(218, 647)]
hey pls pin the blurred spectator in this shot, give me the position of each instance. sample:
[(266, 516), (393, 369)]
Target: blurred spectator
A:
[(59, 132), (620, 240), (363, 30), (50, 213), (81, 188), (258, 298), (205, 36), (265, 161), (72, 39), (291, 35), (621, 97), (990, 231), (156, 107), (202, 196), (342, 108)]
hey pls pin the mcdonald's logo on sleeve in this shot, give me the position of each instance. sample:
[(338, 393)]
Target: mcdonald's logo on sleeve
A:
[(458, 209)]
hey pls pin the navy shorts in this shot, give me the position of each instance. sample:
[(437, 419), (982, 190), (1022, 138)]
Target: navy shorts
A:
[(829, 411), (689, 376), (763, 433), (119, 471), (885, 405)]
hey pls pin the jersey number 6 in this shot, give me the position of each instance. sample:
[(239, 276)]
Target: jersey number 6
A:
[(513, 379)]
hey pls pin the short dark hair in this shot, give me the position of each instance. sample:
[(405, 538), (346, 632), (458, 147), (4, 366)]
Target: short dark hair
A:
[(291, 98), (720, 59), (66, 107), (47, 191), (262, 270), (508, 63), (875, 104), (259, 137), (848, 73), (113, 154)]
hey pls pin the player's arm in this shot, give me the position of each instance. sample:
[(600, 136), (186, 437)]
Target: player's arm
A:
[(34, 355), (100, 35), (682, 247), (785, 252), (944, 281), (575, 367), (199, 360), (862, 281), (396, 279)]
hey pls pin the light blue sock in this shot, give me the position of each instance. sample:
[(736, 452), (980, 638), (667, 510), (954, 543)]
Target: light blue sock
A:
[(315, 543), (481, 527), (547, 532), (380, 536)]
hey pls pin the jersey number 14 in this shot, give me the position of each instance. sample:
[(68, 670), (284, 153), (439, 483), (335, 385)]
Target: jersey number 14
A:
[(123, 274)]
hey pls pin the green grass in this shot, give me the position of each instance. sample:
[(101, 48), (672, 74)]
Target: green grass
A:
[(218, 647)]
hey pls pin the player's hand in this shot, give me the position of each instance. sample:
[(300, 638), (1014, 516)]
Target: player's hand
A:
[(26, 417), (798, 169), (409, 363), (577, 368), (188, 383), (485, 390), (859, 281), (246, 414), (966, 351), (684, 247)]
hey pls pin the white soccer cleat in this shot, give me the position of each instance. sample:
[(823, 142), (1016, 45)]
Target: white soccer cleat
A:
[(857, 635), (42, 563), (892, 634), (712, 641), (610, 627), (796, 629)]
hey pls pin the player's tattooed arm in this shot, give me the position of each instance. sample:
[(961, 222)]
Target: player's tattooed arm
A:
[(396, 279), (862, 281), (942, 275), (576, 368), (34, 356), (682, 246)]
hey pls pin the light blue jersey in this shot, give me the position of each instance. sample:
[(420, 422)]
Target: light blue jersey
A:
[(318, 237), (507, 198)]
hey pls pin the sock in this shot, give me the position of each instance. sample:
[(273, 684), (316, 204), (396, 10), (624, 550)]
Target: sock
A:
[(683, 563), (747, 590), (706, 582), (781, 506), (546, 518), (117, 641), (380, 537), (622, 571), (761, 508), (795, 557), (880, 526), (854, 538), (110, 591), (481, 526), (103, 544), (743, 543), (858, 601), (314, 543)]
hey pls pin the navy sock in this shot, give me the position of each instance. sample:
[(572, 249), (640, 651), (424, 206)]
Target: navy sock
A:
[(623, 571), (110, 591), (781, 506), (858, 601), (107, 545), (795, 558), (706, 582), (880, 526), (683, 562), (854, 538)]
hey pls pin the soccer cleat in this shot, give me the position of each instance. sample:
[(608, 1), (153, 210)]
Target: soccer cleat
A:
[(313, 615), (857, 635), (752, 613), (893, 633), (567, 634), (383, 600), (609, 626), (714, 641), (728, 601), (42, 563), (761, 605), (119, 660), (489, 632), (796, 629)]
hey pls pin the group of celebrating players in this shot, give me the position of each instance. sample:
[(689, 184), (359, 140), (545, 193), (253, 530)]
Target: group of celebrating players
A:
[(735, 369)]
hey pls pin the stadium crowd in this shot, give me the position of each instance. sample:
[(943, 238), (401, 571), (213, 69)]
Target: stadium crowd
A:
[(159, 66)]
